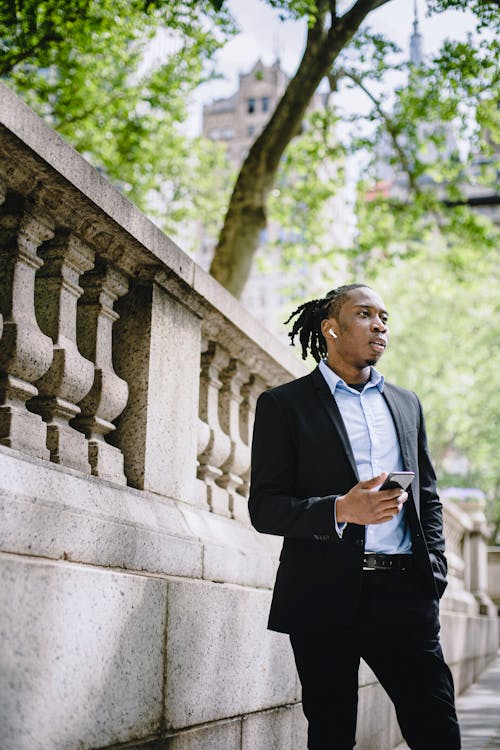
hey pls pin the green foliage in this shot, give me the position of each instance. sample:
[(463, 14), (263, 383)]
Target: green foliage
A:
[(441, 347), (373, 54), (420, 129), (289, 8), (33, 30), (295, 8), (198, 197), (486, 11), (85, 66), (299, 202)]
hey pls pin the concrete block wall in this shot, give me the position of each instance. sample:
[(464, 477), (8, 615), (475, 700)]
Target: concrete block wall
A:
[(101, 647), (133, 592)]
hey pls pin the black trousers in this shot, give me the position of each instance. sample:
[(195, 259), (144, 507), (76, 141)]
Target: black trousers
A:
[(396, 631)]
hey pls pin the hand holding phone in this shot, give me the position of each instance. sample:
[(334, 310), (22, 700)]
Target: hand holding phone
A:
[(400, 479), (364, 505)]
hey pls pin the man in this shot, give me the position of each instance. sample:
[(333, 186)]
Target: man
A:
[(361, 570)]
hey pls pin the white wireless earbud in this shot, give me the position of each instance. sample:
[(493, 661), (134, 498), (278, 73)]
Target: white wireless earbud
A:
[(334, 335)]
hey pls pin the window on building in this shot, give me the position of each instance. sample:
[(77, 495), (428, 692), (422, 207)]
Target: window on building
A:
[(265, 103), (250, 130), (227, 134), (214, 134), (251, 106)]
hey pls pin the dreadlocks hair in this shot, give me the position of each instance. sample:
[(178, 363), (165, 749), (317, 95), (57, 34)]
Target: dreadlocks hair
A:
[(309, 316)]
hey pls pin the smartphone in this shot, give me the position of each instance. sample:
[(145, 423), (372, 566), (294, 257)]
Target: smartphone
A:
[(399, 479)]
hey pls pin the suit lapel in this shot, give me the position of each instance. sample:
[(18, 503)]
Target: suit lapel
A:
[(400, 422), (331, 408)]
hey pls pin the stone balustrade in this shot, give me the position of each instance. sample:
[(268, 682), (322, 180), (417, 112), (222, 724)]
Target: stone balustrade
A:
[(467, 536), (101, 338), (133, 591)]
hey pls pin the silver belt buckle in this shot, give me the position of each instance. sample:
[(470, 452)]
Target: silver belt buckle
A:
[(371, 562)]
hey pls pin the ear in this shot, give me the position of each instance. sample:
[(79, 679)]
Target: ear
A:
[(328, 328)]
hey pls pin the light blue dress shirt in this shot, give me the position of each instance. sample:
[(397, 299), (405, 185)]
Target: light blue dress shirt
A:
[(375, 446)]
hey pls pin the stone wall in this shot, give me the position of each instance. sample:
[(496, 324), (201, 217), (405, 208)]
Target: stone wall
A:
[(133, 591)]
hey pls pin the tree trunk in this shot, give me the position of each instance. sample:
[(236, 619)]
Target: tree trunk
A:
[(246, 214)]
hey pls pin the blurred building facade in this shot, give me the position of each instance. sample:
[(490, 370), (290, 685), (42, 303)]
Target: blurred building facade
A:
[(238, 119)]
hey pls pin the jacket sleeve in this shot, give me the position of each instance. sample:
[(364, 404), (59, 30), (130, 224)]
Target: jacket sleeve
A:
[(273, 506), (431, 509)]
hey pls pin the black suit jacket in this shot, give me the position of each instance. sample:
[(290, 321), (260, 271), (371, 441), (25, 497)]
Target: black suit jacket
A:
[(301, 460)]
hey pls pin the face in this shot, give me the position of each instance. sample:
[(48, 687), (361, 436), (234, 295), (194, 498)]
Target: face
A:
[(361, 328)]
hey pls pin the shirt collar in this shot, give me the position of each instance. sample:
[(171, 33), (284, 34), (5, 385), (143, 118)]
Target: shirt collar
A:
[(334, 381)]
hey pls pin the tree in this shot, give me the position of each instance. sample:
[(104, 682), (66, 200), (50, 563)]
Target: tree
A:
[(328, 35), (32, 31), (81, 65), (84, 66)]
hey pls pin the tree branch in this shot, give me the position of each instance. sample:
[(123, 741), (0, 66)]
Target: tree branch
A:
[(353, 17), (389, 126)]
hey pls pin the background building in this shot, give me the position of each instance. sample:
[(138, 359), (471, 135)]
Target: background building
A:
[(239, 119)]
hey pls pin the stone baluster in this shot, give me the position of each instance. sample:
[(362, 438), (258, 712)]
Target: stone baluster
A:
[(157, 340), (250, 392), (25, 352), (218, 448), (455, 535), (203, 440), (108, 395), (70, 375), (478, 554), (467, 557), (233, 379)]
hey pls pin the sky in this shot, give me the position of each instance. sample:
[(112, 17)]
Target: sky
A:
[(264, 35)]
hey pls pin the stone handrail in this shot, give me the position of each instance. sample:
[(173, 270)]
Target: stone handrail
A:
[(103, 318)]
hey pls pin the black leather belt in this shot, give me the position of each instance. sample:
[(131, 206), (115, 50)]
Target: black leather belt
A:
[(375, 561)]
